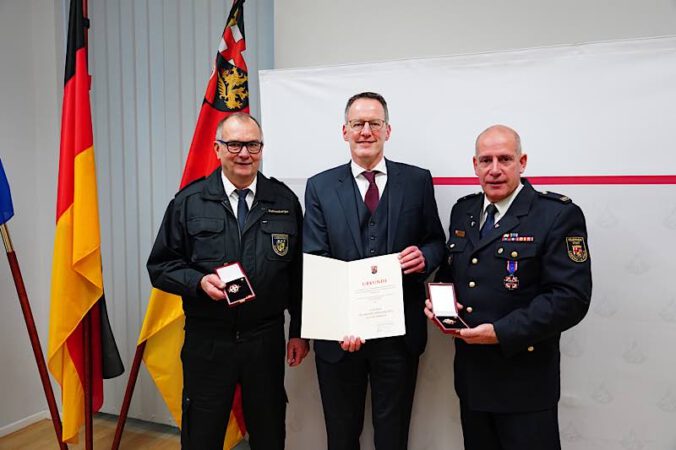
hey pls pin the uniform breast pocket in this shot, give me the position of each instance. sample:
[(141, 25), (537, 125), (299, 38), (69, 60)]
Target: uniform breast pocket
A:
[(454, 247), (279, 236), (208, 238), (516, 251)]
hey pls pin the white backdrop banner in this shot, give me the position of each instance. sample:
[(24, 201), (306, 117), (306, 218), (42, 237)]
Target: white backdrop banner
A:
[(598, 124)]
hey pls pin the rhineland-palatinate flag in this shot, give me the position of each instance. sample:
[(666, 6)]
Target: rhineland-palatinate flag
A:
[(227, 92), (77, 278)]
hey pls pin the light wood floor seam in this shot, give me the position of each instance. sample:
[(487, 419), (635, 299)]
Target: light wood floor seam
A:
[(137, 435)]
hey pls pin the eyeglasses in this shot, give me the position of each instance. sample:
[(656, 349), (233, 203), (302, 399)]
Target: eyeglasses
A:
[(253, 147), (374, 125)]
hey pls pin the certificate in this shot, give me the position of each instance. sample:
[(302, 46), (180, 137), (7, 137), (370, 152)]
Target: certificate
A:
[(361, 298)]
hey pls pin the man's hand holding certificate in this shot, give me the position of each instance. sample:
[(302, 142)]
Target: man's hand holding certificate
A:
[(358, 298)]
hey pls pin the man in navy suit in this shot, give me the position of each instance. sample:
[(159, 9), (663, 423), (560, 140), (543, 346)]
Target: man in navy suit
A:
[(520, 263), (370, 207)]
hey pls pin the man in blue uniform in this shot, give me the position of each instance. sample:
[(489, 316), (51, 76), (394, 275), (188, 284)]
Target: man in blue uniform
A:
[(372, 206), (520, 264), (234, 215)]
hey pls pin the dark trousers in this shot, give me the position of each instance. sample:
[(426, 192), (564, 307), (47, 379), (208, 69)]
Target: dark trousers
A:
[(392, 372), (537, 430), (212, 366)]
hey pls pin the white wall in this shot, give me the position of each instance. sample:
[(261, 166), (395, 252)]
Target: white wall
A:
[(318, 32), (31, 35)]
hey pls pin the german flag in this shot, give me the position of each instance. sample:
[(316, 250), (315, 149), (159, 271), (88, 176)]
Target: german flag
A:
[(77, 278), (227, 92)]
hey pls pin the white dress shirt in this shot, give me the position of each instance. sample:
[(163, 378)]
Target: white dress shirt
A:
[(232, 195), (363, 183), (502, 206)]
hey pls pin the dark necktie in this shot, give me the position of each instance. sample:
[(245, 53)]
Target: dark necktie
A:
[(490, 221), (242, 207), (372, 196)]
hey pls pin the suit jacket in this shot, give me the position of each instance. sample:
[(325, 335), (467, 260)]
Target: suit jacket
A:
[(331, 228), (531, 278)]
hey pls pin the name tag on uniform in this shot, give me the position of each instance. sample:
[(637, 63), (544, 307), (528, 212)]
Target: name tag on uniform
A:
[(278, 211)]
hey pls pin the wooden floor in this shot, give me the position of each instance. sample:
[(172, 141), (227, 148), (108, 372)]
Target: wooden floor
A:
[(137, 436)]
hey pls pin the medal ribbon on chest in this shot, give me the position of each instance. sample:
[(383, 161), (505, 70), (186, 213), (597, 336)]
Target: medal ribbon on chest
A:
[(511, 281)]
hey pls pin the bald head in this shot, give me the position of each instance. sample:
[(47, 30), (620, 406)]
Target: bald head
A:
[(498, 161), (499, 134)]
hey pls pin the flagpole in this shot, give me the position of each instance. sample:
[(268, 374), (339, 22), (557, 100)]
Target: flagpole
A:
[(32, 333), (129, 392), (87, 320), (87, 346)]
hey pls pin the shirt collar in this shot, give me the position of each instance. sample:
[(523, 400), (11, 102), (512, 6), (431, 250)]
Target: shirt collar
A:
[(230, 188), (357, 169), (504, 204)]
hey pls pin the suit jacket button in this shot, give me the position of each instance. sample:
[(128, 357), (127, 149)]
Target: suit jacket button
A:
[(514, 254), (531, 348), (472, 284), (469, 309), (475, 260), (451, 246), (500, 250)]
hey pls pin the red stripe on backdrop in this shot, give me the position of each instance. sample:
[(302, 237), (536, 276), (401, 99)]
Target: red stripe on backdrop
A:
[(570, 180)]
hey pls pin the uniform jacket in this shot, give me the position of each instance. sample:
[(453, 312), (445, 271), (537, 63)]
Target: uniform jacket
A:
[(200, 232), (331, 228), (531, 278)]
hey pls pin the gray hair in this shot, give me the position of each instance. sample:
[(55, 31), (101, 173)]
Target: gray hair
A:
[(239, 116)]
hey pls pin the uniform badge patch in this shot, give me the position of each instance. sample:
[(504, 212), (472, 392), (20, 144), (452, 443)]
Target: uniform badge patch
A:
[(577, 249), (280, 243)]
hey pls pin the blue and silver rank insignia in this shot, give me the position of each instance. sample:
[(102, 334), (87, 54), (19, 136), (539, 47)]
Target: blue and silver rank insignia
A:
[(280, 243), (577, 249)]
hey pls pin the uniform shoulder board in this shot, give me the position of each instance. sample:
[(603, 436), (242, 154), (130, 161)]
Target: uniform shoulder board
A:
[(282, 184), (275, 180), (554, 196), (467, 197), (190, 184)]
